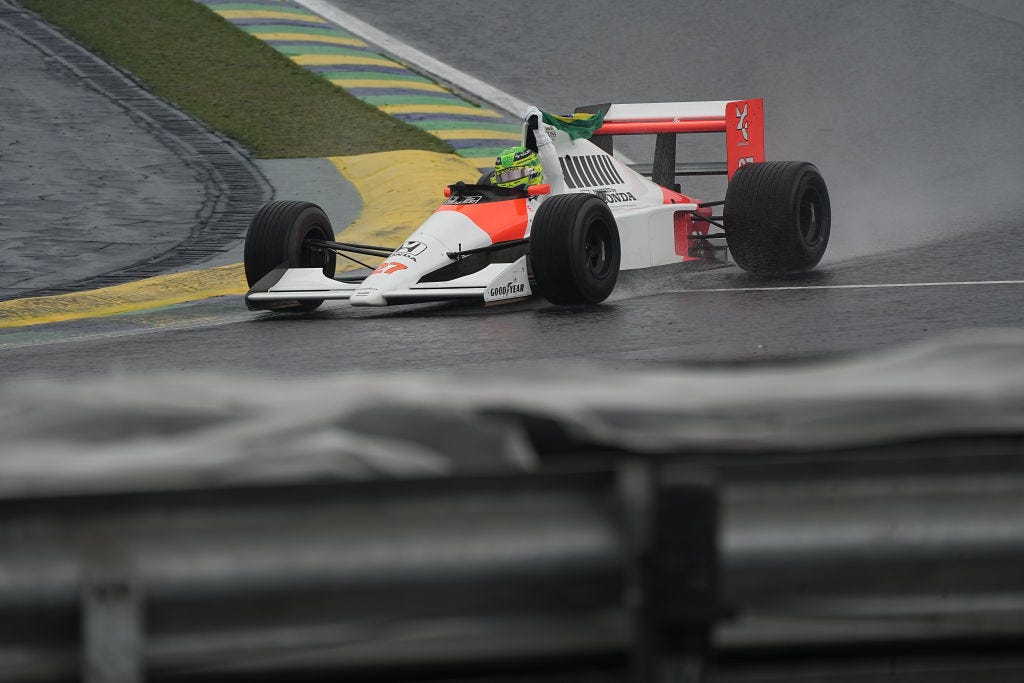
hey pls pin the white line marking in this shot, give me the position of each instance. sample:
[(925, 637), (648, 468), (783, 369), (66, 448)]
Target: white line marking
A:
[(410, 55), (867, 286)]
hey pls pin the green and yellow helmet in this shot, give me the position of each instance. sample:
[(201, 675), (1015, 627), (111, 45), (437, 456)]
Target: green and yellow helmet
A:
[(517, 167)]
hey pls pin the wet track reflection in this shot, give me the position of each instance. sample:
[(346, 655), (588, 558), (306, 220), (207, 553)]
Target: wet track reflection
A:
[(666, 314)]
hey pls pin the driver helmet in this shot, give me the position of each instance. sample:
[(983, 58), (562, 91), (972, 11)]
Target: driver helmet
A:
[(517, 167)]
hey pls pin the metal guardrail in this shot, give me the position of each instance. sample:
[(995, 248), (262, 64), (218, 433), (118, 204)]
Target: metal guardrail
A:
[(377, 576), (416, 575), (268, 530), (902, 544)]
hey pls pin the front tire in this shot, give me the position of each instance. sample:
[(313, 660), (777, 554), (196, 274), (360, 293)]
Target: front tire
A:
[(777, 217), (279, 234), (574, 249)]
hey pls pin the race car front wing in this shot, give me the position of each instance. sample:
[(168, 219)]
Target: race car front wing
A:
[(284, 287)]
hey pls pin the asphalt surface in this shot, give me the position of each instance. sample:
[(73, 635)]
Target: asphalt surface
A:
[(662, 315), (104, 182), (84, 186)]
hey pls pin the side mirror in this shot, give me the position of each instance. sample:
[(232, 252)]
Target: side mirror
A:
[(537, 190)]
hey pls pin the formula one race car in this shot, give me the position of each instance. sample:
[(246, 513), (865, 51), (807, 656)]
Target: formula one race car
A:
[(493, 244)]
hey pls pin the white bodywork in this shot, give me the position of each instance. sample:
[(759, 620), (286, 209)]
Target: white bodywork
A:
[(644, 218)]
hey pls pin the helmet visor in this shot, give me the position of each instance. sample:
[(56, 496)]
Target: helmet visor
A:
[(513, 174)]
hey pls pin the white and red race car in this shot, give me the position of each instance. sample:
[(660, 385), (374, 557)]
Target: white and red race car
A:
[(492, 244)]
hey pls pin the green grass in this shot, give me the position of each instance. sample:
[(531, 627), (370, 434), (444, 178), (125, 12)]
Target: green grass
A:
[(233, 82)]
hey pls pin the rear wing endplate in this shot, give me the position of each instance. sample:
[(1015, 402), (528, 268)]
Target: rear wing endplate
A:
[(742, 121)]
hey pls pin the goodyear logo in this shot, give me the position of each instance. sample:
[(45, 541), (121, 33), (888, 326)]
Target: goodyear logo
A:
[(510, 289)]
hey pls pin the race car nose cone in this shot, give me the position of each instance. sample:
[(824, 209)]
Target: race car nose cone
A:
[(367, 296)]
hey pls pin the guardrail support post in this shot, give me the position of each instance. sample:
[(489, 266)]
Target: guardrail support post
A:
[(111, 623), (676, 577)]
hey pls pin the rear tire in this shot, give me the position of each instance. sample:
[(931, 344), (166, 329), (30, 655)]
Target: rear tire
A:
[(777, 217), (574, 249), (278, 235)]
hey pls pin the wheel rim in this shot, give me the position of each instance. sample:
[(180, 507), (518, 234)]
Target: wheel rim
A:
[(597, 249), (310, 256), (810, 215)]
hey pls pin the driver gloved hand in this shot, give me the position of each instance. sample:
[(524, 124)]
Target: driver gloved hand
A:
[(541, 134)]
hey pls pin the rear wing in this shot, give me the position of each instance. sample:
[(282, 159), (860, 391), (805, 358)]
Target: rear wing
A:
[(742, 121)]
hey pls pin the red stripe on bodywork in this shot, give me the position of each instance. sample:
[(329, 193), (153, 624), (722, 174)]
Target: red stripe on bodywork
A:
[(670, 197), (503, 221), (684, 225)]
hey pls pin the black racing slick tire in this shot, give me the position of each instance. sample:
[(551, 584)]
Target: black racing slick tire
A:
[(777, 217), (574, 249), (279, 234)]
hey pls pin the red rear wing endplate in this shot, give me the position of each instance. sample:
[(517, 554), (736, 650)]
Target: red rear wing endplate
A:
[(744, 133), (742, 121)]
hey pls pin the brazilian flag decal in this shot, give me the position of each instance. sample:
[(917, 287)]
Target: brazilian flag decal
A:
[(579, 125)]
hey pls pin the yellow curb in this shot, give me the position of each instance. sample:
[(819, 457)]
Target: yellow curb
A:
[(133, 296), (343, 60), (311, 38), (399, 190), (474, 134), (269, 14), (393, 204), (387, 85), (467, 109)]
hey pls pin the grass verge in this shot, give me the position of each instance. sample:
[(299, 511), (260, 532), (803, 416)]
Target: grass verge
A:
[(233, 82)]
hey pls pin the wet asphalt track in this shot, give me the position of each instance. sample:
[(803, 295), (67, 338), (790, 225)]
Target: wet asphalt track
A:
[(88, 187), (658, 316), (910, 111)]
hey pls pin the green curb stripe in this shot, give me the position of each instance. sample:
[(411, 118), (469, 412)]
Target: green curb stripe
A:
[(310, 30), (354, 63), (305, 38), (293, 50), (498, 138), (479, 152), (354, 75), (412, 99), (256, 7), (431, 124), (454, 107), (336, 61)]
